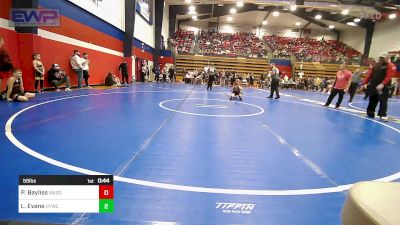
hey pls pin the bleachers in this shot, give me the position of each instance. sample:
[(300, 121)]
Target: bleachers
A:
[(323, 69), (183, 41), (239, 65), (311, 50)]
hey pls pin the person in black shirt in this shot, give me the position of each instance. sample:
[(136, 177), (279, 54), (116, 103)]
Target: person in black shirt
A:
[(123, 69), (262, 81), (56, 76), (377, 85), (156, 71), (5, 62), (171, 73)]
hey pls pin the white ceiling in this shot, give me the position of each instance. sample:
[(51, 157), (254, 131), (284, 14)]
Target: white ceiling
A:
[(327, 5), (284, 20)]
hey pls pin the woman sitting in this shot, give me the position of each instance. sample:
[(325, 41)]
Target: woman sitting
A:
[(15, 88), (57, 76)]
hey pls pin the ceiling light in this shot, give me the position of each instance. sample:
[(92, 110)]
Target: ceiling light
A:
[(229, 19), (233, 11), (331, 27), (356, 20), (276, 13), (351, 24), (194, 17), (192, 12), (318, 17), (293, 7), (345, 11), (192, 8), (264, 22), (188, 1), (297, 23), (239, 4), (392, 16)]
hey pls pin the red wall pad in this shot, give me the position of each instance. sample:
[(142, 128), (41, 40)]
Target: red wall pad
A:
[(58, 52), (5, 6)]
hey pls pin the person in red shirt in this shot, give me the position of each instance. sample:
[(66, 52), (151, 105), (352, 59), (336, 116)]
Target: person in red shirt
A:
[(340, 86), (377, 84), (5, 63)]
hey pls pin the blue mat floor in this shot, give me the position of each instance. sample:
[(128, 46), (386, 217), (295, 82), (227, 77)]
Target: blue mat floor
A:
[(178, 151)]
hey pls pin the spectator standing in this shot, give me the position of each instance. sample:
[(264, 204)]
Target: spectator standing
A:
[(38, 72), (171, 73), (251, 80), (355, 82), (164, 73), (156, 71), (5, 63), (144, 72), (86, 63), (123, 70), (396, 77), (76, 64)]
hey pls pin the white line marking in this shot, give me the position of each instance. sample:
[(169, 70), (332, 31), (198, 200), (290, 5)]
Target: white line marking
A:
[(312, 191), (212, 115), (211, 106), (364, 110)]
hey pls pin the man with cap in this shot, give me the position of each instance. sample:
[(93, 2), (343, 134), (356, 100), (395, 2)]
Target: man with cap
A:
[(274, 81), (377, 84)]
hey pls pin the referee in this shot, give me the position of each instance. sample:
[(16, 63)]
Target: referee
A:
[(275, 81)]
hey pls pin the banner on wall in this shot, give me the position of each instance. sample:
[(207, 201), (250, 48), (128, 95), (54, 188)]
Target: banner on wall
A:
[(145, 9)]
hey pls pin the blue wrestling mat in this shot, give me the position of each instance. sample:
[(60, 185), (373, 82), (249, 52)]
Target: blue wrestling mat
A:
[(181, 155)]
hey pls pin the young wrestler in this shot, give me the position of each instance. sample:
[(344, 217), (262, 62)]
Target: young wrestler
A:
[(237, 90), (15, 88)]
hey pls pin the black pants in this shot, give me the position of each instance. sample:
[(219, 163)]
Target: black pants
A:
[(333, 94), (210, 83), (86, 77), (383, 103), (352, 91), (274, 88), (142, 77), (41, 84), (124, 77)]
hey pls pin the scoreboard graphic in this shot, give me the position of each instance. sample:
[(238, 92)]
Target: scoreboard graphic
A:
[(66, 194)]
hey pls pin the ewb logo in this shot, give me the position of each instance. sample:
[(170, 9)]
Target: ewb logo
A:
[(34, 17), (235, 208)]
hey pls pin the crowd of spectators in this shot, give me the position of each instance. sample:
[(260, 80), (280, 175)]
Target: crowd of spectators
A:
[(249, 45), (239, 44), (312, 50), (183, 41)]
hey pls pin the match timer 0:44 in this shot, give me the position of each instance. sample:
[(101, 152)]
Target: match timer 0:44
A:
[(66, 194)]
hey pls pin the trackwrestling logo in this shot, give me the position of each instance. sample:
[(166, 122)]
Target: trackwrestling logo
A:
[(235, 208)]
